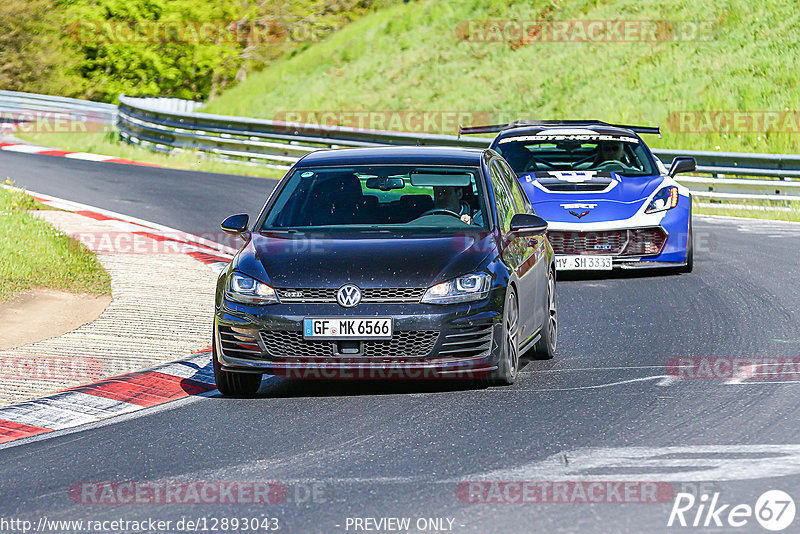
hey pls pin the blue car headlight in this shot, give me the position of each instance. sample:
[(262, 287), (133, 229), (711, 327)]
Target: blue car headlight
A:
[(665, 199), (462, 289), (247, 290)]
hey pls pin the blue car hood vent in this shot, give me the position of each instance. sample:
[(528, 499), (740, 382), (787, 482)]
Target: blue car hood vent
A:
[(558, 182)]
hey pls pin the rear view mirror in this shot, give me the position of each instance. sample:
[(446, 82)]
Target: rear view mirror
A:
[(385, 183), (682, 164), (235, 224), (528, 223)]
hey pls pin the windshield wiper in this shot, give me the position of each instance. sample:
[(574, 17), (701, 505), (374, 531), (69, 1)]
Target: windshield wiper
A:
[(279, 231)]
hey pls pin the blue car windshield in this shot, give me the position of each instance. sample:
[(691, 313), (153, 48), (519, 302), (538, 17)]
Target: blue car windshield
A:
[(626, 156), (401, 197)]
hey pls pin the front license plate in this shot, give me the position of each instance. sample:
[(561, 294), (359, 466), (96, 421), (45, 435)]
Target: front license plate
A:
[(584, 263), (347, 328)]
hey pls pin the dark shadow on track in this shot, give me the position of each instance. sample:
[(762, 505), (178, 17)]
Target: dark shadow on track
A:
[(616, 274)]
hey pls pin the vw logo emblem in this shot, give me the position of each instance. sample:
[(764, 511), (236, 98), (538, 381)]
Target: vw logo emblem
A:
[(348, 296)]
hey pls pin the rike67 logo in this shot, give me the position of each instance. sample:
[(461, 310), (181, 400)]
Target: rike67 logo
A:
[(774, 510)]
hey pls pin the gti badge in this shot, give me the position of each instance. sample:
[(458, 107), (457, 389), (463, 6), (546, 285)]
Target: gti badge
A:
[(348, 296)]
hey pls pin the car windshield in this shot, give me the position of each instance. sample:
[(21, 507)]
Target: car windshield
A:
[(624, 155), (379, 197)]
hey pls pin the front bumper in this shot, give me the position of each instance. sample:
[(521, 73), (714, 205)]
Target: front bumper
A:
[(429, 341), (674, 224)]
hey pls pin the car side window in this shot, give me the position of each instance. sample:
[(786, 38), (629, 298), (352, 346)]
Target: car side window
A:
[(505, 202), (521, 202)]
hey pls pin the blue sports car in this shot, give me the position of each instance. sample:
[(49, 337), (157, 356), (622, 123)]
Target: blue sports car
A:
[(610, 203)]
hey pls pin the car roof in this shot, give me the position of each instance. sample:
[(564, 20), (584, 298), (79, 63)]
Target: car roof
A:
[(395, 155)]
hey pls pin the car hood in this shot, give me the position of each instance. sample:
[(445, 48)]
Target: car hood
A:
[(301, 261), (577, 197)]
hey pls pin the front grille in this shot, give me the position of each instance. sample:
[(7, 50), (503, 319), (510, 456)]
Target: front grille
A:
[(646, 242), (630, 242), (238, 342), (468, 341), (368, 295), (403, 345)]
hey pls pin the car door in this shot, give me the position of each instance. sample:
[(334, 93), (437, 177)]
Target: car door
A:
[(514, 248), (532, 271)]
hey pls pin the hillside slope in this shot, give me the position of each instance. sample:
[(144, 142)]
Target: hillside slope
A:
[(415, 56)]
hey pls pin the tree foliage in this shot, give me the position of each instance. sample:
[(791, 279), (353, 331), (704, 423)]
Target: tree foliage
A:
[(192, 49)]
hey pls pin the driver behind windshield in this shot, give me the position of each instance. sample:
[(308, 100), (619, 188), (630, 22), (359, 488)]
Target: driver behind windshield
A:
[(451, 198), (610, 151)]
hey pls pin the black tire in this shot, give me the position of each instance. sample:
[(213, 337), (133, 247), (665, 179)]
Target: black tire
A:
[(545, 348), (507, 367), (689, 250), (233, 384)]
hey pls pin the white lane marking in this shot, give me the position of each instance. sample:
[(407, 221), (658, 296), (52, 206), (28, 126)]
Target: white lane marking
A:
[(88, 157), (685, 463), (87, 404), (195, 367), (610, 384), (218, 267), (27, 149), (667, 381), (43, 414)]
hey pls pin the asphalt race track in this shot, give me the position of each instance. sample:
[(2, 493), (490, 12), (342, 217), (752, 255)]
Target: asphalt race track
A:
[(605, 409)]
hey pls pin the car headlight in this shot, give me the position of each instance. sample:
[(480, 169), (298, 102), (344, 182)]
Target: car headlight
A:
[(664, 200), (462, 289), (247, 290)]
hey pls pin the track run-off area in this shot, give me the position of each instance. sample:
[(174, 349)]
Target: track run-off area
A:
[(340, 457)]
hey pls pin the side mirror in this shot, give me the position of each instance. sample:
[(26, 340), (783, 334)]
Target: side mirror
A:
[(682, 164), (528, 223), (235, 224)]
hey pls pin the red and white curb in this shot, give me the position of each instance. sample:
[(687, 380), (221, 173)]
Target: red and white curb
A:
[(108, 398), (86, 156), (129, 392), (215, 255)]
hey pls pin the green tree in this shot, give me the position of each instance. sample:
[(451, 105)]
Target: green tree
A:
[(34, 56)]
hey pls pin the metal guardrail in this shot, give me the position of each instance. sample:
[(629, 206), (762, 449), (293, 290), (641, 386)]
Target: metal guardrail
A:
[(30, 106), (279, 144), (167, 124)]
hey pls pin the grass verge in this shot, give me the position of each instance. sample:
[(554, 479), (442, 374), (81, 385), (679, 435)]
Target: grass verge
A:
[(109, 144), (423, 56), (33, 254), (775, 211)]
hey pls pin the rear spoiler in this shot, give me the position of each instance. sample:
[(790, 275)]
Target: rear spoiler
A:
[(655, 130)]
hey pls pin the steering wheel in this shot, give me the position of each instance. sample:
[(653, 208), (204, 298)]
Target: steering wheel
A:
[(440, 211), (610, 162)]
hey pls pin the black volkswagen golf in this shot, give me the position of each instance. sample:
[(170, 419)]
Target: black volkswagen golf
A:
[(397, 262)]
